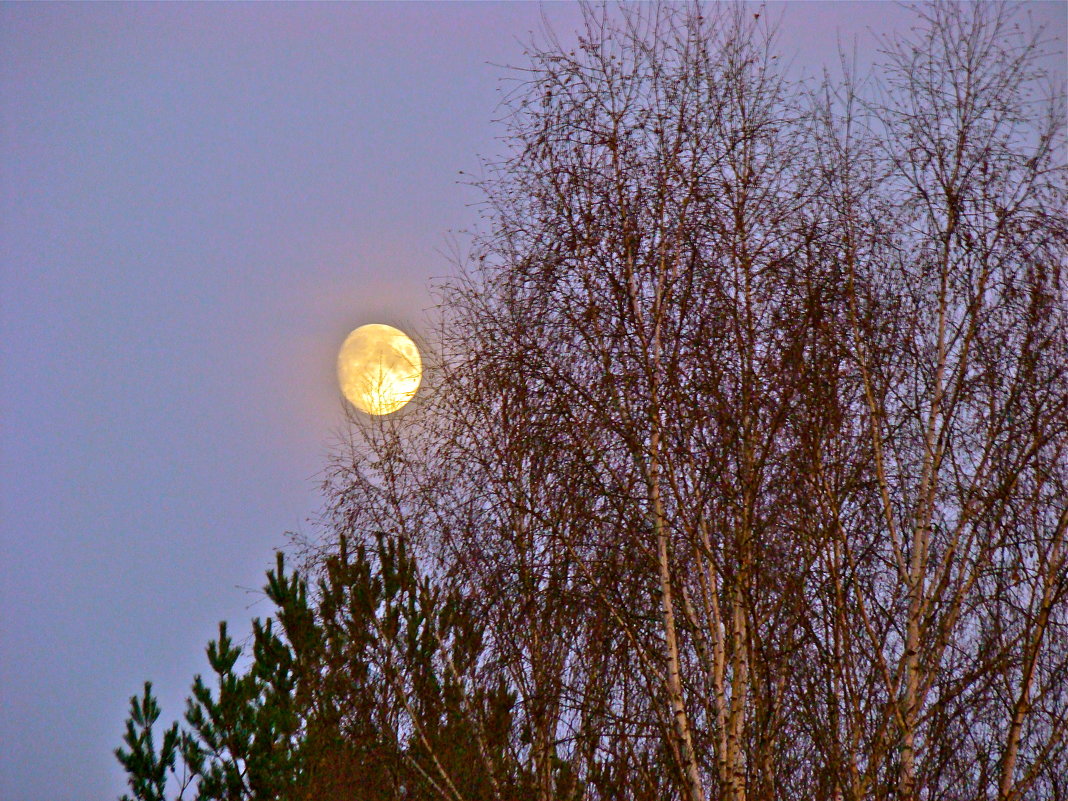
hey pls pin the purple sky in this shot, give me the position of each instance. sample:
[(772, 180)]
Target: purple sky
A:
[(197, 203)]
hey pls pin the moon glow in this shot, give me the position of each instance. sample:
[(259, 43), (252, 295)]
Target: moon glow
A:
[(379, 369)]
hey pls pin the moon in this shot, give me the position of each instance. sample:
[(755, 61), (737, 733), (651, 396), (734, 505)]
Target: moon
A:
[(379, 369)]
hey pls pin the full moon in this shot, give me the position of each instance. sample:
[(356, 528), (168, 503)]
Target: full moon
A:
[(378, 368)]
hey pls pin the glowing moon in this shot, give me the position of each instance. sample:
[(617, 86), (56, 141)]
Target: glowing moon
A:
[(378, 368)]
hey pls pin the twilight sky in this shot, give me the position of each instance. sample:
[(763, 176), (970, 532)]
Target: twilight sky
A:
[(197, 204)]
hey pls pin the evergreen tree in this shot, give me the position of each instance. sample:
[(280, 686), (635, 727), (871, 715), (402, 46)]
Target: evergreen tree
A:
[(147, 770), (377, 690)]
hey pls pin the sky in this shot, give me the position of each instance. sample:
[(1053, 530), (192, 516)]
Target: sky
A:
[(197, 203)]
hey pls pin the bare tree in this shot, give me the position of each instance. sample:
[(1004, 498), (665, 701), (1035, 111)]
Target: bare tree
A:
[(947, 193), (746, 436)]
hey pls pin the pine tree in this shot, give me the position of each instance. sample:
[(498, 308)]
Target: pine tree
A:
[(147, 769), (377, 690)]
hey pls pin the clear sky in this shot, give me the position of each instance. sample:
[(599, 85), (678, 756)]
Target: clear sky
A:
[(197, 203)]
